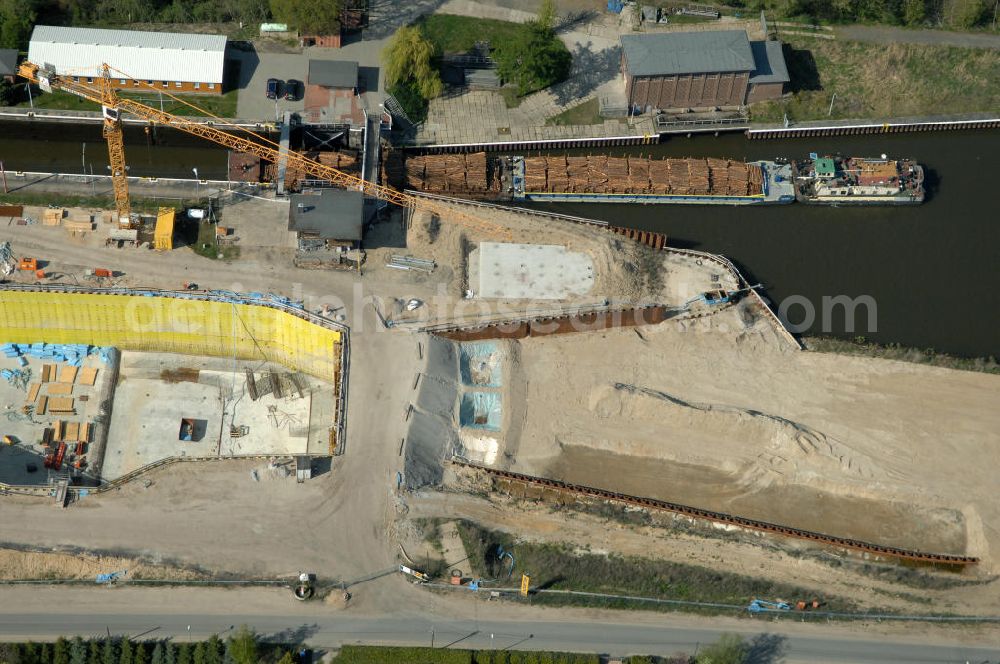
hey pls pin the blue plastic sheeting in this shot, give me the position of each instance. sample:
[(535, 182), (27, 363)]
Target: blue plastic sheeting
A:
[(72, 354), (481, 410), (480, 364)]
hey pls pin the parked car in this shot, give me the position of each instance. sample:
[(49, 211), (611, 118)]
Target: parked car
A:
[(274, 88), (294, 89)]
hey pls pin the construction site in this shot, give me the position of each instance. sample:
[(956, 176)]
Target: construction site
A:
[(563, 380), (121, 383)]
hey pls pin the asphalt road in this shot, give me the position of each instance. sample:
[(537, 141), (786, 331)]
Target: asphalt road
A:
[(618, 639)]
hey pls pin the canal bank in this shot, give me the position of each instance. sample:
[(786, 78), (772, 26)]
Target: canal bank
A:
[(922, 276), (929, 270)]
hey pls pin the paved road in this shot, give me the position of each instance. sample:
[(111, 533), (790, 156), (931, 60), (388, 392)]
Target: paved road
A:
[(890, 35), (327, 631)]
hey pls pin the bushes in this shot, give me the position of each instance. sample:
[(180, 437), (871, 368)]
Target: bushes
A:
[(528, 55), (558, 567), (381, 655)]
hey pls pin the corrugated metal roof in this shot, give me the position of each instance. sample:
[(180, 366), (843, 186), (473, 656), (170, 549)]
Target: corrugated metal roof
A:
[(770, 62), (153, 56), (687, 53)]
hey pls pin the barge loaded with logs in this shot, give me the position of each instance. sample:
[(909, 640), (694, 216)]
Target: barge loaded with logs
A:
[(592, 179), (835, 180)]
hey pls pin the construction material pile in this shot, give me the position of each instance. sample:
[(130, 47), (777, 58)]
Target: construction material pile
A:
[(444, 174), (642, 175), (342, 161)]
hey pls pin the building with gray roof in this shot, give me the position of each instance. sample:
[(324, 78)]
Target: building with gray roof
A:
[(174, 61), (698, 70), (8, 64), (333, 215)]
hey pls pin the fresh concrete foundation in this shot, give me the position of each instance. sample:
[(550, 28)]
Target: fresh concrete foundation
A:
[(529, 271)]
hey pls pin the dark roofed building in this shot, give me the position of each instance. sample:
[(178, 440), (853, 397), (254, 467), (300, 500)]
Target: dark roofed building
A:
[(8, 64), (333, 73), (770, 75), (335, 215), (699, 69)]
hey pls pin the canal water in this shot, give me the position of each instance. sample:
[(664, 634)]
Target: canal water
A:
[(930, 275), (932, 271)]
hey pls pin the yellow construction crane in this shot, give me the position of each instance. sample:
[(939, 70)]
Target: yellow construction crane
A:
[(113, 106)]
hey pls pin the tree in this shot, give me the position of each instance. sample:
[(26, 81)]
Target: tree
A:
[(126, 653), (140, 656), (408, 57), (158, 655), (17, 18), (109, 654), (94, 652), (309, 17), (287, 658), (914, 12), (730, 649), (198, 656), (184, 655), (60, 651), (242, 646), (213, 650), (534, 60), (77, 651), (169, 653), (45, 654)]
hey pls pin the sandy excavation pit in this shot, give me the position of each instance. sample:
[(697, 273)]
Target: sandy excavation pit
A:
[(715, 413)]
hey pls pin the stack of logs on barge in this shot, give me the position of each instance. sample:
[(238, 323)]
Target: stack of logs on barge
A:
[(484, 177), (469, 175), (600, 174)]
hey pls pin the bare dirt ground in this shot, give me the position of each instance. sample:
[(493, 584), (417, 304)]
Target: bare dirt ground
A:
[(714, 412), (625, 273), (824, 573), (16, 564), (694, 413)]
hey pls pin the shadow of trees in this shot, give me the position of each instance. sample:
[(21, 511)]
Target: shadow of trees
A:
[(766, 649), (590, 70)]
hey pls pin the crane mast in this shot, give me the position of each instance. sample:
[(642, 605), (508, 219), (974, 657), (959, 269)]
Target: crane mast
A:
[(114, 105), (112, 130)]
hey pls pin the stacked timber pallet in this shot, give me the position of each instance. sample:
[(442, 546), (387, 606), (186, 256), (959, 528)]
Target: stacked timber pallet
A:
[(294, 175), (641, 175), (446, 174)]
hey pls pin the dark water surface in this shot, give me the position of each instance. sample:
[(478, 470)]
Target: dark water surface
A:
[(933, 271)]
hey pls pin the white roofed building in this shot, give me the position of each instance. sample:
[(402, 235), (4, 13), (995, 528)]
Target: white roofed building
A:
[(175, 61)]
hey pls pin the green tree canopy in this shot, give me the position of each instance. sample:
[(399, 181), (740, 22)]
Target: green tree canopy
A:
[(242, 646), (17, 17), (535, 60), (60, 651), (730, 649), (408, 58), (309, 17)]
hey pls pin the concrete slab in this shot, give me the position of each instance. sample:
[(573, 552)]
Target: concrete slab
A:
[(157, 390), (530, 271)]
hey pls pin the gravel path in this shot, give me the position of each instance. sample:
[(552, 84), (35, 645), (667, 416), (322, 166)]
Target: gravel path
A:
[(889, 35)]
